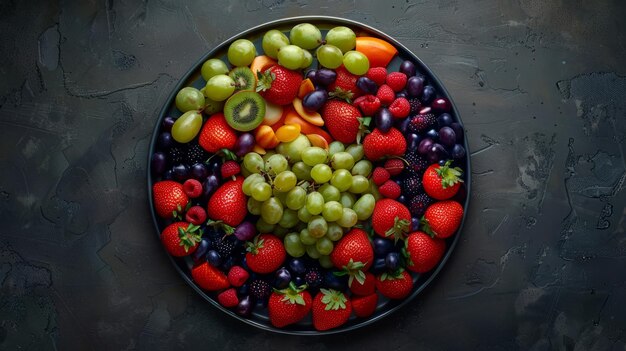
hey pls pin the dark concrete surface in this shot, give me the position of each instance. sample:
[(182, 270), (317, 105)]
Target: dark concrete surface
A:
[(541, 86)]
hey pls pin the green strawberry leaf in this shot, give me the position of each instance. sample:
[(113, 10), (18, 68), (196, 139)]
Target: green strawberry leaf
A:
[(333, 299)]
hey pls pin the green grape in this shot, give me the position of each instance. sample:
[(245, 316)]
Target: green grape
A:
[(289, 219), (374, 190), (302, 171), (219, 87), (272, 210), (357, 152), (293, 149), (342, 37), (187, 126), (279, 195), (347, 199), (261, 191), (306, 36), (245, 172), (301, 225), (324, 246), (362, 167), (325, 262), (254, 206), (342, 160), (329, 192), (211, 106), (213, 67), (311, 250), (341, 179), (314, 155), (272, 41), (308, 59), (291, 57), (321, 173), (314, 203), (364, 206), (334, 232), (296, 198), (293, 245), (189, 98), (335, 147), (280, 231), (241, 52), (360, 184), (306, 238), (304, 215), (329, 56), (249, 181), (332, 211), (317, 227), (253, 162), (285, 181), (263, 227), (276, 164), (348, 218), (268, 154), (356, 62)]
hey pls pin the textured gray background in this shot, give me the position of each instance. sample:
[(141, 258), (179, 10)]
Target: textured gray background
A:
[(541, 87)]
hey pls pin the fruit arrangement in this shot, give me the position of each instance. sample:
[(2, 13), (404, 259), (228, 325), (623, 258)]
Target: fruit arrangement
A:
[(314, 178)]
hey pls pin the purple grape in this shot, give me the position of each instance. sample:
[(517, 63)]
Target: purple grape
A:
[(210, 185), (168, 175), (458, 130), (415, 223), (437, 152), (201, 250), (299, 281), (402, 124), (311, 75), (379, 266), (214, 258), (199, 171), (424, 146), (382, 246), (428, 94), (165, 141), (402, 93), (445, 120), (244, 144), (415, 86), (215, 168), (383, 119), (245, 231), (441, 105), (432, 133), (244, 289), (401, 199), (181, 172), (367, 85), (392, 261), (314, 100), (158, 164), (297, 266), (458, 152), (167, 123), (336, 282), (408, 67), (447, 136), (282, 278), (413, 140), (245, 306), (325, 76)]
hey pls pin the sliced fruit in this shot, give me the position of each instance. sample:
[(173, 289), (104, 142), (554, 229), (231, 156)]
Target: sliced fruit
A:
[(306, 127), (310, 116), (288, 132), (273, 113), (244, 111), (265, 137), (379, 52), (305, 87), (261, 63), (318, 140), (259, 149), (244, 78)]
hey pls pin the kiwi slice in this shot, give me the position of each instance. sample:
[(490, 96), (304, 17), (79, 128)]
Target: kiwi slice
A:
[(244, 110), (244, 78)]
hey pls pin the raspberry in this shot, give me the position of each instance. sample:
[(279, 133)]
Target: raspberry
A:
[(394, 166), (416, 162), (380, 175), (400, 108), (368, 104), (195, 154), (192, 188), (411, 185), (230, 169), (419, 204), (396, 80), (390, 189), (237, 276), (377, 74), (416, 105), (260, 289), (228, 298), (196, 215), (421, 122), (385, 94)]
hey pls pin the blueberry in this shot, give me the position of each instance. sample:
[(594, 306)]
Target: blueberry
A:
[(200, 250), (335, 282), (382, 246), (282, 278), (379, 266), (428, 94), (213, 258), (297, 266), (392, 261)]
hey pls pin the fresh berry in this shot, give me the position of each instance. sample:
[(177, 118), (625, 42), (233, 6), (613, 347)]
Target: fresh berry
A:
[(396, 81), (176, 155), (366, 288), (421, 122), (216, 134), (225, 246), (411, 185), (364, 306), (380, 175), (289, 306), (377, 74), (228, 204), (209, 278), (313, 278), (442, 182), (394, 166), (343, 121), (423, 252), (419, 203), (237, 276), (279, 85), (230, 169), (416, 162), (368, 104), (390, 189), (265, 254), (390, 219), (260, 289), (442, 218), (195, 154), (196, 215), (377, 144), (192, 188), (331, 309), (400, 108), (416, 105), (344, 86), (228, 298), (169, 198), (385, 94), (396, 285), (353, 254), (181, 238)]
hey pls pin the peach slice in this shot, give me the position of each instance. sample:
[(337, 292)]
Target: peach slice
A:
[(261, 63), (273, 114), (288, 132), (309, 116), (265, 137), (259, 150), (305, 87), (306, 127), (318, 140)]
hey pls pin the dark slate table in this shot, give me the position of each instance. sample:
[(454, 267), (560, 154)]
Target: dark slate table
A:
[(541, 89)]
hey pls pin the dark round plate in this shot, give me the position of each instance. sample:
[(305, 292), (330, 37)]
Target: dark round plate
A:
[(193, 78)]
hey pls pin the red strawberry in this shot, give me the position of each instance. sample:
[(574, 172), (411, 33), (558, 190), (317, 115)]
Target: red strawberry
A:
[(391, 219), (216, 134), (192, 188), (344, 86), (442, 182), (228, 298), (265, 254), (288, 306), (396, 81), (385, 94), (343, 121), (230, 169), (354, 255), (377, 144), (395, 286), (380, 175), (208, 277), (394, 166), (330, 309), (237, 276), (442, 218), (228, 204), (196, 215), (377, 74), (368, 104), (364, 306), (423, 252), (366, 288), (181, 238), (279, 85), (400, 108), (390, 189), (169, 198)]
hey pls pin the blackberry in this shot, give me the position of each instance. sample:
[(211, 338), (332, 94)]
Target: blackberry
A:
[(416, 105), (195, 154), (225, 246), (260, 289), (411, 185), (419, 204), (176, 154), (421, 123), (416, 162), (313, 278)]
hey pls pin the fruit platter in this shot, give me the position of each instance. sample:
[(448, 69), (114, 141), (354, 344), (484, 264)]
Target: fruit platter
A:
[(309, 176)]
